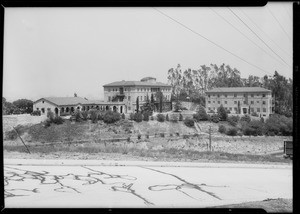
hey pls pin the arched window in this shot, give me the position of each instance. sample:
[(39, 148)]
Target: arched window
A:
[(67, 109)]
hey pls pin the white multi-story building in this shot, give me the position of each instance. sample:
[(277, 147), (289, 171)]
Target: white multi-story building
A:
[(249, 99)]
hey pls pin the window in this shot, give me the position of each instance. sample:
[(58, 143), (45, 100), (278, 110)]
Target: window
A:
[(225, 95), (141, 98), (225, 108), (264, 95), (252, 95), (257, 95), (208, 108), (125, 89), (230, 108), (129, 108), (235, 102), (208, 101), (43, 110), (235, 109), (264, 110), (108, 99), (128, 98), (218, 95), (37, 109), (145, 98), (138, 89), (108, 90), (244, 95), (252, 109), (225, 102), (257, 101), (245, 102), (264, 102), (208, 95), (252, 102), (258, 109), (235, 95), (264, 115), (43, 101), (218, 102), (213, 101)]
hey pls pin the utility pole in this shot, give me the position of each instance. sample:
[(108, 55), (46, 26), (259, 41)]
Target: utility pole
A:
[(209, 138)]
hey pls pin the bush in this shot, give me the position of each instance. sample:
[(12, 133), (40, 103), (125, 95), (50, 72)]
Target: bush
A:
[(47, 123), (84, 115), (146, 116), (94, 115), (78, 116), (138, 117), (174, 118), (185, 136), (233, 120), (279, 124), (201, 115), (132, 116), (180, 117), (111, 117), (160, 118), (253, 128), (36, 113), (100, 115), (147, 136), (189, 122), (254, 114), (162, 134), (222, 129), (128, 139), (232, 131), (139, 136), (246, 118), (123, 116), (50, 115), (58, 120), (222, 113), (215, 118), (152, 118), (167, 117)]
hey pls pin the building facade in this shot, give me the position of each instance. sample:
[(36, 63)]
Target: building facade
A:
[(118, 96), (247, 99), (127, 92)]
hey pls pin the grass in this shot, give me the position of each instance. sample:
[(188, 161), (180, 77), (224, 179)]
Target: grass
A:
[(164, 153)]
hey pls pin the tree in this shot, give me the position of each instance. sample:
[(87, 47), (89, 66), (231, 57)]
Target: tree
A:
[(222, 113), (159, 96), (25, 106), (177, 105), (137, 105)]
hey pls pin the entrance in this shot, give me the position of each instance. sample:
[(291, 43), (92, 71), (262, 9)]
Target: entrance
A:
[(245, 110)]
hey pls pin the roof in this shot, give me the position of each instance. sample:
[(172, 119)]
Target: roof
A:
[(238, 89), (63, 101), (147, 78), (136, 83)]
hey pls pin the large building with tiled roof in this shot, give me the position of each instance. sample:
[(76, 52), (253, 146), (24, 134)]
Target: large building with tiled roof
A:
[(128, 92), (119, 96), (247, 99)]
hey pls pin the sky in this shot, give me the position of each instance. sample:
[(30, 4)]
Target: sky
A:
[(62, 51)]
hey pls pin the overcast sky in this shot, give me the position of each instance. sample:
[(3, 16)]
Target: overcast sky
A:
[(59, 51)]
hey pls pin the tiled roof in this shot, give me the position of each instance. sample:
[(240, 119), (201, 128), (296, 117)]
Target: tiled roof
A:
[(62, 101), (238, 89), (135, 83)]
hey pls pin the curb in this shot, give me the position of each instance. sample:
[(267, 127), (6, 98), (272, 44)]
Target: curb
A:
[(45, 162)]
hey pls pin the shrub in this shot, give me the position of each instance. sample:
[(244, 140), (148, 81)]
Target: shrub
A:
[(100, 116), (47, 123), (177, 134), (215, 118), (279, 124), (146, 116), (123, 116), (152, 118), (167, 117), (78, 116), (50, 115), (162, 134), (84, 115), (232, 131), (147, 136), (185, 136), (58, 120), (246, 118), (201, 114), (222, 113), (254, 114), (132, 116), (139, 136), (94, 115), (128, 139), (138, 117), (160, 118), (262, 120), (171, 135), (233, 120), (36, 113), (174, 118), (222, 129), (189, 122), (180, 117), (253, 128), (111, 117)]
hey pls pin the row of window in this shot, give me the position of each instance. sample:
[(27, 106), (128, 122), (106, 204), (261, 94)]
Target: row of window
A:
[(140, 89), (235, 95), (235, 102), (235, 109), (140, 98)]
